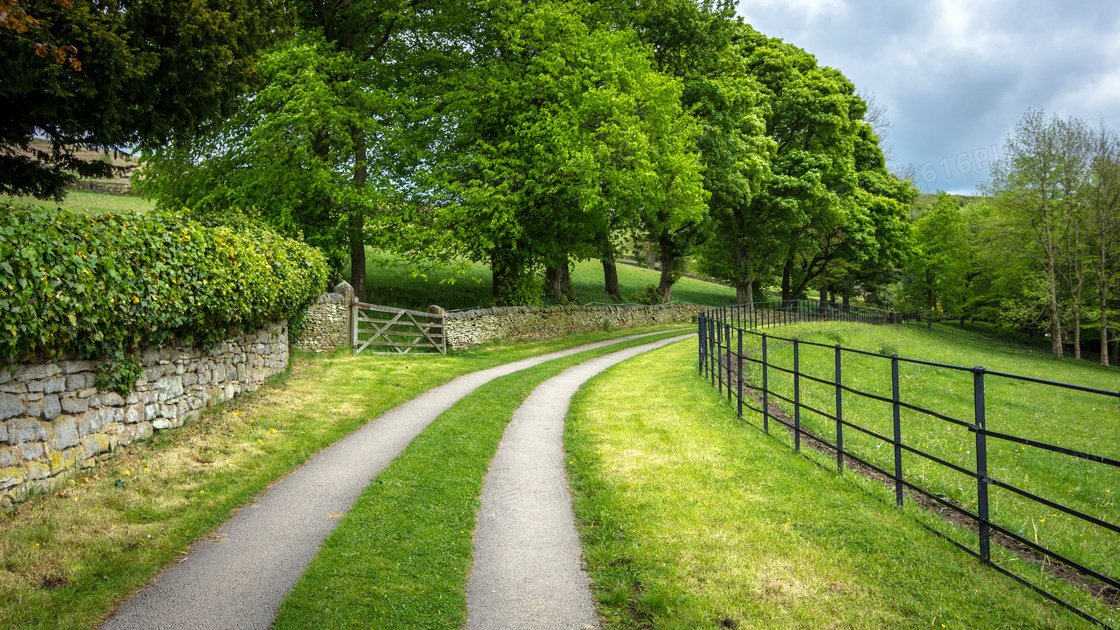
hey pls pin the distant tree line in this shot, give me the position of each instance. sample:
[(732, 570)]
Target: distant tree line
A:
[(1041, 251)]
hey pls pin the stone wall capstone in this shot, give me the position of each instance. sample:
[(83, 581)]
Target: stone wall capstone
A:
[(53, 418), (474, 327), (326, 325)]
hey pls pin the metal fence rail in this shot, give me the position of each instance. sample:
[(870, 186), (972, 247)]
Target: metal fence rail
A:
[(722, 360)]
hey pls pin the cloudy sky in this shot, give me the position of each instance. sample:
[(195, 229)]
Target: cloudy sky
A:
[(955, 76)]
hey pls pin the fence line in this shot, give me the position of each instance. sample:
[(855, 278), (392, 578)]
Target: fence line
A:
[(722, 360)]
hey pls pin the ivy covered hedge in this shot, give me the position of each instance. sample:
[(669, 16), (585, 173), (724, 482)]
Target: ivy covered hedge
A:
[(100, 287)]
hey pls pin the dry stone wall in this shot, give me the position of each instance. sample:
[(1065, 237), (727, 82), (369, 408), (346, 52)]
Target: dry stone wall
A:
[(326, 325), (53, 418), (471, 328), (111, 188)]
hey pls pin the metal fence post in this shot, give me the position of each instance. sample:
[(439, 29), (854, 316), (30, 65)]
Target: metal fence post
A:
[(765, 391), (839, 417), (740, 378), (700, 344), (796, 397), (728, 336), (719, 356), (897, 432), (981, 462)]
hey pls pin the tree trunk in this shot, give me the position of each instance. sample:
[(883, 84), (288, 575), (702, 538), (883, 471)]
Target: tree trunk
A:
[(786, 273), (744, 292), (610, 280), (847, 300), (1104, 325), (554, 281), (357, 219), (668, 263), (1055, 316)]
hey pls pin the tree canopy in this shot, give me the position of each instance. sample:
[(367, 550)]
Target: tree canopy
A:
[(120, 74)]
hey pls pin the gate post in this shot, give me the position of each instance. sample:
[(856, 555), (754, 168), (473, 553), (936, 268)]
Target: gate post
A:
[(438, 316)]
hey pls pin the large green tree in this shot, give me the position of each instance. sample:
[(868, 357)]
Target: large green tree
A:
[(829, 197), (120, 74), (558, 131), (314, 150)]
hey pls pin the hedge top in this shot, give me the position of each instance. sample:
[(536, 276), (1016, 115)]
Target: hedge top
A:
[(101, 287)]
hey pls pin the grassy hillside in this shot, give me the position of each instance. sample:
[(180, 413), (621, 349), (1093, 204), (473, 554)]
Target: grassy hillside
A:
[(83, 202), (389, 283)]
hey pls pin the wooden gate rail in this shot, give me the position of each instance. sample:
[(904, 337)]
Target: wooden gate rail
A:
[(400, 329)]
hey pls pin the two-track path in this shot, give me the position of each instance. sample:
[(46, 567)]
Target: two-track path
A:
[(237, 576)]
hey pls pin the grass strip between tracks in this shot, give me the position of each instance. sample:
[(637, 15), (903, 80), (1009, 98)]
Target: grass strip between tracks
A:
[(400, 556)]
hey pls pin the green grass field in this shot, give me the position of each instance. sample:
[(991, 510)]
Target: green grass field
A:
[(692, 519), (83, 202), (1062, 417), (389, 283)]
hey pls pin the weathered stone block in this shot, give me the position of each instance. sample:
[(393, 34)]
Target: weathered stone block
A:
[(79, 381), (111, 399), (34, 372), (54, 385), (11, 476), (8, 457), (12, 388), (51, 407), (64, 433), (10, 406), (61, 461), (94, 445), (169, 387), (134, 414), (75, 405), (30, 451), (26, 429), (38, 470)]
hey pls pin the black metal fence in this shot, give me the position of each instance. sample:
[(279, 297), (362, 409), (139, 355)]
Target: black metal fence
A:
[(816, 401)]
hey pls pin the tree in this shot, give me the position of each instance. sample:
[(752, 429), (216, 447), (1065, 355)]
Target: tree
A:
[(940, 262), (1102, 199), (286, 156), (1035, 186), (556, 131), (331, 111), (133, 73), (830, 197)]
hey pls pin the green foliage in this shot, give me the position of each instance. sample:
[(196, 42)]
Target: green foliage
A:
[(269, 159), (102, 286), (149, 70), (649, 295), (558, 133)]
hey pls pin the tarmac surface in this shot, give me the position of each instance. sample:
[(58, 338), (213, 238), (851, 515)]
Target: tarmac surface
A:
[(237, 576)]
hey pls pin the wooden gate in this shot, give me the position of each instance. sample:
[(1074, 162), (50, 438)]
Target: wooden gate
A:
[(397, 330)]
